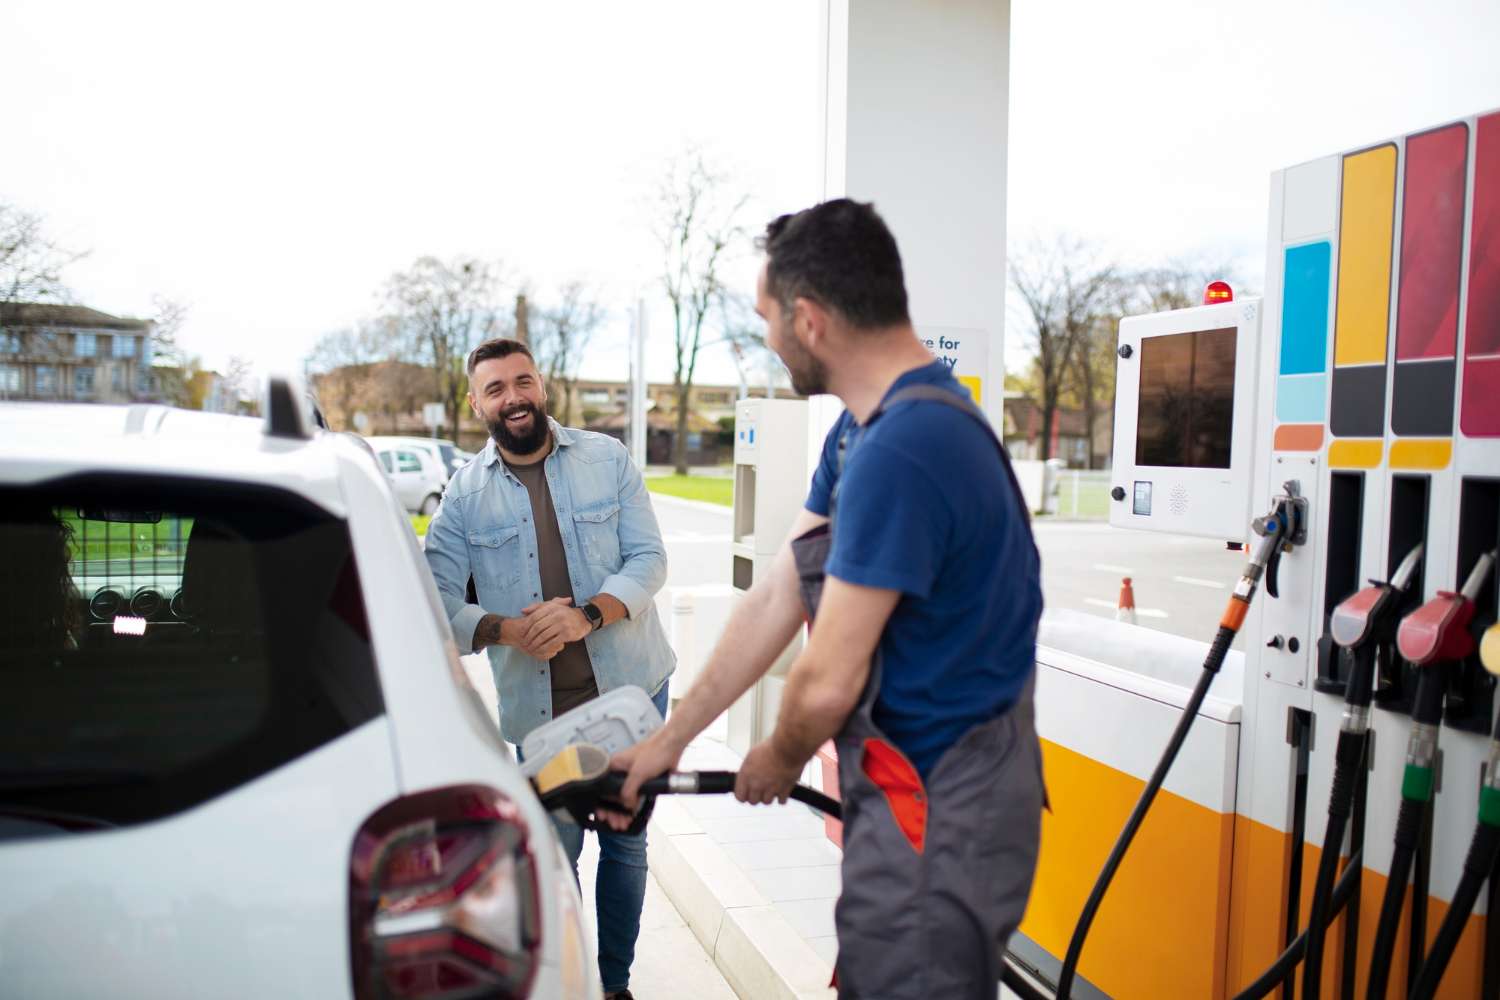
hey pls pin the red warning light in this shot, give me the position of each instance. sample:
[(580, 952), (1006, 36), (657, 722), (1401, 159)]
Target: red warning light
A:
[(1216, 292)]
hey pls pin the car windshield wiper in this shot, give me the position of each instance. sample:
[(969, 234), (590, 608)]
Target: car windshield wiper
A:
[(27, 776)]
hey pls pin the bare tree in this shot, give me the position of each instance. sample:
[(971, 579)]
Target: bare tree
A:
[(696, 224), (1091, 370), (339, 355), (364, 343), (446, 308), (174, 368), (1178, 284), (559, 335), (1062, 288), (744, 333), (237, 385), (31, 262)]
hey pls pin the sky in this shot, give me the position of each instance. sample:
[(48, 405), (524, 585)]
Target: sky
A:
[(273, 164)]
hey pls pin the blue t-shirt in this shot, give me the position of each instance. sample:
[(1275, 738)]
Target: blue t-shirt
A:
[(926, 508)]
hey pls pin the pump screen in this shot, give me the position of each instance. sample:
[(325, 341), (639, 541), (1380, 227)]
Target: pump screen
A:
[(1186, 410)]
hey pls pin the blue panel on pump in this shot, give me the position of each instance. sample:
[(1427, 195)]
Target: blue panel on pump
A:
[(1304, 313)]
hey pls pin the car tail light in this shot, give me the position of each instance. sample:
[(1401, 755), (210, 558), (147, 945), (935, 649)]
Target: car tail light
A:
[(443, 899)]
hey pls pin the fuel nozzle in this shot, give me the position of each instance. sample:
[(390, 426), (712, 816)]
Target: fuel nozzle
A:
[(1359, 624), (1358, 620), (1282, 528), (1439, 629)]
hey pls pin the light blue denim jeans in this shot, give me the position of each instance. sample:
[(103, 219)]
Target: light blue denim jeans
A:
[(619, 888)]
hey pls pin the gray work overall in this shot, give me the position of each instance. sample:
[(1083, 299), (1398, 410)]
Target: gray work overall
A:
[(937, 874)]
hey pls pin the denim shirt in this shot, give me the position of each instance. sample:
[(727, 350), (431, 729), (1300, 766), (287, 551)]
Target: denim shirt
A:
[(613, 546)]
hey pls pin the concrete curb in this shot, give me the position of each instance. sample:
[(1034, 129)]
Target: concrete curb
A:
[(671, 501), (760, 953)]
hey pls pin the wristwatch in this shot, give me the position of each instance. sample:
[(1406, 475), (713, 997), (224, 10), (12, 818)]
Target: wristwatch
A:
[(593, 614)]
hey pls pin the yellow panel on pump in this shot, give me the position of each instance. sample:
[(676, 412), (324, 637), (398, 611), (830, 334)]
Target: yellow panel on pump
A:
[(1421, 453), (1366, 222), (1356, 453), (1163, 929)]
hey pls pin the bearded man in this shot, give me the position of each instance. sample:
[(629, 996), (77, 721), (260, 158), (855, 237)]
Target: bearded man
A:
[(555, 528)]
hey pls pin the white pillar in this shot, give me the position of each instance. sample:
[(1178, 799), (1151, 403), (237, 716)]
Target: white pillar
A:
[(915, 99)]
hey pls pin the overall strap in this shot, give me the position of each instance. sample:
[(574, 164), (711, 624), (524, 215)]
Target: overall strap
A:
[(964, 404)]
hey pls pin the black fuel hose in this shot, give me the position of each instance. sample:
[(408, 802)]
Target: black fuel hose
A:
[(1416, 792), (1478, 866), (1408, 833), (712, 783), (1211, 666), (1276, 973), (1277, 530), (1349, 758)]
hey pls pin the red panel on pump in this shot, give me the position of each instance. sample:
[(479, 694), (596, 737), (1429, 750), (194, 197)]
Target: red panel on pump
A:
[(1432, 243), (1479, 416)]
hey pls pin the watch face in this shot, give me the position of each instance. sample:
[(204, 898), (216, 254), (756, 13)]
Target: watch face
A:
[(593, 614)]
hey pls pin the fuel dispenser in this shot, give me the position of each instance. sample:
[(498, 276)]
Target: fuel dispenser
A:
[(1360, 391), (767, 496)]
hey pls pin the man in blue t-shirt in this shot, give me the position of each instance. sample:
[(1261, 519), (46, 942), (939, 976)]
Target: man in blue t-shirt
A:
[(915, 564)]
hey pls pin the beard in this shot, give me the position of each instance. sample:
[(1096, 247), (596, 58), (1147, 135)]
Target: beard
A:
[(809, 375), (526, 442)]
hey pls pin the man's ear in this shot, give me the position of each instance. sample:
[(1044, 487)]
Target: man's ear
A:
[(474, 406), (809, 323)]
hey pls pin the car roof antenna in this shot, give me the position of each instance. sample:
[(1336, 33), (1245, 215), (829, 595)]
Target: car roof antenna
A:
[(286, 410)]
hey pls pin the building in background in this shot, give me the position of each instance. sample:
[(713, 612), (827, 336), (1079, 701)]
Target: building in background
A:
[(57, 352), (1070, 437)]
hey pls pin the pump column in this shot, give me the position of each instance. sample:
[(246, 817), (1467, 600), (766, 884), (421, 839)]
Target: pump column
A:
[(915, 98)]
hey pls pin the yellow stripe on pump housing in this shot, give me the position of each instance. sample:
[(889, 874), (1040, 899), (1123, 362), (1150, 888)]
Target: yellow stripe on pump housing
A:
[(1366, 224)]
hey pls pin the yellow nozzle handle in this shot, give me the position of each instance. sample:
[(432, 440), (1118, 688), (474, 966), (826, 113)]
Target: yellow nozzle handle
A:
[(1489, 649), (576, 762)]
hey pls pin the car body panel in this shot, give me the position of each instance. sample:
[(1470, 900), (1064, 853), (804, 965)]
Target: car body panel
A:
[(247, 894), (243, 896)]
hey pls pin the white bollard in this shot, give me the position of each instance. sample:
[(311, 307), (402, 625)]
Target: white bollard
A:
[(682, 643)]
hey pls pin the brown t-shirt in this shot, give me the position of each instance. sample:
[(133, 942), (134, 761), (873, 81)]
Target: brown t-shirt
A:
[(572, 671)]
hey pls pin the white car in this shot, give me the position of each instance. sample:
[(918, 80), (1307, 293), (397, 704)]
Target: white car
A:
[(448, 455), (416, 471), (239, 756)]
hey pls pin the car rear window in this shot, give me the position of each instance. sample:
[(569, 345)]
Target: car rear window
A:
[(165, 641)]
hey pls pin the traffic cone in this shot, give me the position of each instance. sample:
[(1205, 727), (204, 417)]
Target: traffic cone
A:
[(1126, 611)]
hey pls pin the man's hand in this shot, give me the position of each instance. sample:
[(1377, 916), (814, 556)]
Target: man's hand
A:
[(653, 756), (766, 776), (547, 625), (493, 630)]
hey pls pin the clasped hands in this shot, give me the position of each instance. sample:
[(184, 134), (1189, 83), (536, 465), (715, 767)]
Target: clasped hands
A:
[(545, 626)]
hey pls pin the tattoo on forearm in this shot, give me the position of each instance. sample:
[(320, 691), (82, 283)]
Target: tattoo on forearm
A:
[(487, 632)]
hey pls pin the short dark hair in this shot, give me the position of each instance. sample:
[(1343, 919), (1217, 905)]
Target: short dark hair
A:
[(500, 347), (841, 255)]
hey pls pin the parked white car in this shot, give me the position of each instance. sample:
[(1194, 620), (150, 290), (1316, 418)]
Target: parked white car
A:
[(239, 756), (416, 471)]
